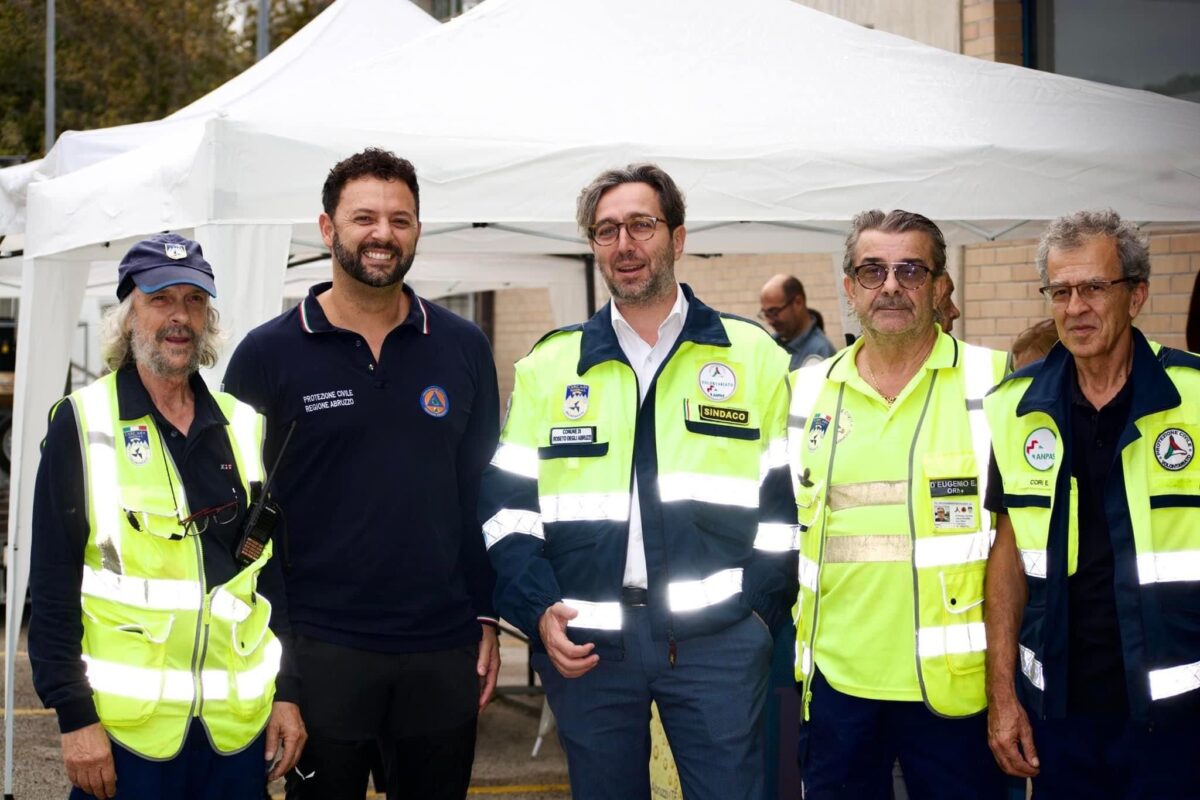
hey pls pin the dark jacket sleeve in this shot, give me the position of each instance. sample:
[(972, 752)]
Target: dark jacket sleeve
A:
[(474, 452), (60, 532)]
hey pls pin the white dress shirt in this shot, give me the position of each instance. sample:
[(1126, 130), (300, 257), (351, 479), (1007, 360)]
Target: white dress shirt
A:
[(645, 360)]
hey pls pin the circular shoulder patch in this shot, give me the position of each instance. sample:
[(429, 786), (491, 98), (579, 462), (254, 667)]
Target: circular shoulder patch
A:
[(434, 401), (1041, 447), (1174, 449), (717, 381)]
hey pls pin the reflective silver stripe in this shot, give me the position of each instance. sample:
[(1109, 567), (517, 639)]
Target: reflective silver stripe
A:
[(777, 537), (1172, 681), (600, 616), (1034, 562), (809, 572), (251, 684), (516, 459), (227, 607), (871, 548), (157, 594), (951, 639), (978, 366), (512, 520), (775, 456), (694, 595), (597, 506), (1032, 668), (245, 437), (940, 551), (806, 388), (1169, 567), (869, 493), (716, 489), (804, 656), (102, 465)]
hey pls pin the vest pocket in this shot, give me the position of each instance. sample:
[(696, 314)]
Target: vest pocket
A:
[(250, 669), (126, 660), (962, 617)]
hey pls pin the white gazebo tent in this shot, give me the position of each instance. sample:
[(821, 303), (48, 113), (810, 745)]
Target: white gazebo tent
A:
[(779, 122)]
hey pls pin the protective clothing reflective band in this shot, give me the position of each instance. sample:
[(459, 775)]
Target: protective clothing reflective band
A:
[(227, 607), (1173, 681), (101, 461), (871, 548), (245, 436), (777, 537), (693, 595), (611, 506), (950, 639), (1032, 668), (808, 573), (150, 683), (512, 520), (776, 455), (717, 489), (940, 551), (1169, 567), (870, 493), (148, 593), (601, 616), (1034, 562), (980, 377), (516, 459), (804, 657)]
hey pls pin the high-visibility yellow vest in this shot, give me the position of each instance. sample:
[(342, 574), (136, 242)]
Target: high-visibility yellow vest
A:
[(1158, 512), (936, 559), (161, 646)]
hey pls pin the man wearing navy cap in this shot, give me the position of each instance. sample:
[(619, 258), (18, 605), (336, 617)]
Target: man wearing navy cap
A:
[(165, 685), (394, 410)]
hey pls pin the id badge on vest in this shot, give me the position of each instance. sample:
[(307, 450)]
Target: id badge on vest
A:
[(955, 503)]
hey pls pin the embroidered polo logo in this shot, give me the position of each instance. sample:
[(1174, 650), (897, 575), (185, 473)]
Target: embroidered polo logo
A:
[(718, 381), (1174, 449), (575, 402), (434, 401), (137, 444), (1041, 447)]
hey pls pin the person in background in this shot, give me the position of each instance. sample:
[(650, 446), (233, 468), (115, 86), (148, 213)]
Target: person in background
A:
[(785, 308)]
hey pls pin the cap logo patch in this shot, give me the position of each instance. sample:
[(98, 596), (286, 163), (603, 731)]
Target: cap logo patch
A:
[(137, 444), (575, 403), (434, 401), (1174, 449), (1041, 446), (718, 381), (175, 251)]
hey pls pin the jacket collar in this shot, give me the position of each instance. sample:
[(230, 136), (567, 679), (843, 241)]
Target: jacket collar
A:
[(599, 344), (313, 319)]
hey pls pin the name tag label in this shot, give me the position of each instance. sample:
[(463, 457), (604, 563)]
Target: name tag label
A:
[(954, 515), (953, 487), (729, 416), (577, 435)]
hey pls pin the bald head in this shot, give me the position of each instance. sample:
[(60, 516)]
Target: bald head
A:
[(784, 306)]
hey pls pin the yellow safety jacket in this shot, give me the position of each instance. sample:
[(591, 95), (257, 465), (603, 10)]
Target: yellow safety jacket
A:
[(162, 647), (1153, 513), (940, 478)]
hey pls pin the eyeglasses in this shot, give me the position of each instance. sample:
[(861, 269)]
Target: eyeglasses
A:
[(909, 274), (170, 526), (1059, 294), (773, 311), (640, 229)]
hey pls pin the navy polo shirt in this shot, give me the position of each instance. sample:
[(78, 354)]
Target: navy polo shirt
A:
[(380, 481), (208, 471)]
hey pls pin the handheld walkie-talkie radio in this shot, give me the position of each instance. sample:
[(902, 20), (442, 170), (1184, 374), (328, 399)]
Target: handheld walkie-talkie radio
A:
[(263, 515)]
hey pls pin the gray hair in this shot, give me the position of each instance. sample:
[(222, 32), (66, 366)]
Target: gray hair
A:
[(669, 196), (1070, 231), (897, 221), (116, 336)]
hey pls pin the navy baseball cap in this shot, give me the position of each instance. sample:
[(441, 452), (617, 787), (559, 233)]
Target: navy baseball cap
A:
[(163, 260)]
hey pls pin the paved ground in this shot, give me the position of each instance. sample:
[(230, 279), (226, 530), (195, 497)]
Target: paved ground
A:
[(503, 766)]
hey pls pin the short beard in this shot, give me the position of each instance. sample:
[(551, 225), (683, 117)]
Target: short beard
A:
[(352, 264), (146, 353), (660, 284)]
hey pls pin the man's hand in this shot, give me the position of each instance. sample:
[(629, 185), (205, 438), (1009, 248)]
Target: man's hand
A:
[(570, 659), (87, 755), (1011, 737), (285, 735), (488, 666)]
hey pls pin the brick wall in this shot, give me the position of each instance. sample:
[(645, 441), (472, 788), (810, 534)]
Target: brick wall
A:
[(522, 316), (991, 30), (1001, 297)]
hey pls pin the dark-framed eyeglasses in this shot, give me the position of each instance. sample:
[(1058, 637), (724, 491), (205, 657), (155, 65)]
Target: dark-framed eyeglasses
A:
[(909, 274), (640, 229), (171, 526), (1059, 294), (771, 312)]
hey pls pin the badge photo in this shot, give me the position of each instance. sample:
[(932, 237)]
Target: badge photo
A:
[(1040, 449), (1174, 449), (718, 381), (434, 401), (137, 444), (575, 403)]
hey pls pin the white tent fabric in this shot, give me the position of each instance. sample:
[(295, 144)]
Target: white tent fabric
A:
[(779, 122)]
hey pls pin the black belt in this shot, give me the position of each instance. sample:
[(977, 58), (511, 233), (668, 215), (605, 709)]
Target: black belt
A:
[(632, 596)]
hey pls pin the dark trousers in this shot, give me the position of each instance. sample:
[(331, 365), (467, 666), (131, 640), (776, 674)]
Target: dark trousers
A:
[(197, 773), (418, 710), (710, 703), (1095, 755), (849, 744)]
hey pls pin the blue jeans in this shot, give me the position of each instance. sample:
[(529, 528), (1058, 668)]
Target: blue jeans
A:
[(197, 773), (710, 702)]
